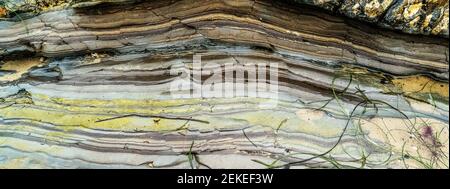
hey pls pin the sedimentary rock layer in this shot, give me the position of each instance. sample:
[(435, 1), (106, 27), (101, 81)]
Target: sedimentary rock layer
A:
[(428, 17), (99, 87), (409, 16)]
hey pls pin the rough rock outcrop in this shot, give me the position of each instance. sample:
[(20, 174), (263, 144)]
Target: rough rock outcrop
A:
[(410, 16)]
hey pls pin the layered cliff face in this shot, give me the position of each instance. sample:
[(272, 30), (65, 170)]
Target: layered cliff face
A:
[(224, 84), (429, 17)]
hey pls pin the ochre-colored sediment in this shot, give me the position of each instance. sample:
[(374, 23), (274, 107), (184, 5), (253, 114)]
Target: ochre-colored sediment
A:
[(17, 68), (92, 86)]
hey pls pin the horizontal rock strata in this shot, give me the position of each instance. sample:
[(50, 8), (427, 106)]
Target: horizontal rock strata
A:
[(98, 87), (428, 17)]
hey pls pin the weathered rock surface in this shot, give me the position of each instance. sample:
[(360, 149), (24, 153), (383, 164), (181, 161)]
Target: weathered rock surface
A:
[(410, 16), (92, 87)]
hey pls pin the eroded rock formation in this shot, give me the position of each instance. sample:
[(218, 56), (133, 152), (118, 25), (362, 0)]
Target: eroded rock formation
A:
[(91, 85)]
